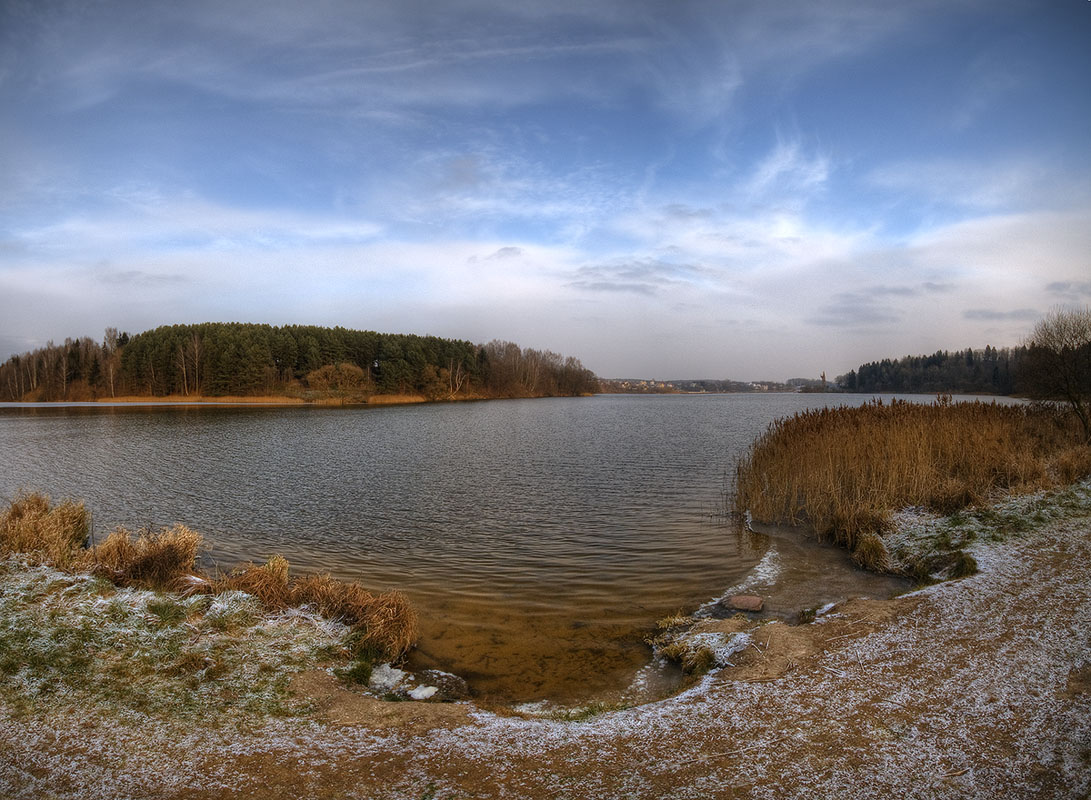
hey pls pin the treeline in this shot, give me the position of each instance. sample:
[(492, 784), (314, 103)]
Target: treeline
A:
[(988, 371), (238, 359)]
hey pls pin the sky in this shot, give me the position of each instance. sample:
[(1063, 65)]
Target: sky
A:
[(683, 189)]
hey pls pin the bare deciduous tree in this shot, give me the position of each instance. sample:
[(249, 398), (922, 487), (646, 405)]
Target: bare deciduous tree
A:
[(1058, 362)]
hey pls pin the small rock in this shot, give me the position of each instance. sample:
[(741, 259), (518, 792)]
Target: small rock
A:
[(423, 692), (385, 678), (450, 687), (746, 602)]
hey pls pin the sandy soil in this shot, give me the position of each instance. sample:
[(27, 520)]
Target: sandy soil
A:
[(978, 688)]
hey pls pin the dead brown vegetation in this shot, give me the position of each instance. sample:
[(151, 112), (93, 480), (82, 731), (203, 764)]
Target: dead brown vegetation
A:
[(384, 626), (842, 471), (153, 560), (195, 399), (48, 534)]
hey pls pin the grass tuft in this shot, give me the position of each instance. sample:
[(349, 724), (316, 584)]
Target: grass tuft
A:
[(267, 582), (161, 560), (870, 552), (384, 626), (46, 533), (962, 565), (383, 622)]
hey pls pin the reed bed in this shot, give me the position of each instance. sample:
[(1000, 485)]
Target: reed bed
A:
[(843, 471), (383, 626)]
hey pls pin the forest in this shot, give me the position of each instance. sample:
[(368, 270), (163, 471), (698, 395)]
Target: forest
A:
[(988, 371), (215, 359)]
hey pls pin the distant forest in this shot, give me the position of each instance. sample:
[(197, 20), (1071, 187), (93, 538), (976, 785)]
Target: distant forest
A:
[(218, 359), (988, 371)]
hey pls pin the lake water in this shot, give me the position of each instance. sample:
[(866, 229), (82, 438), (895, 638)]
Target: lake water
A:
[(539, 540)]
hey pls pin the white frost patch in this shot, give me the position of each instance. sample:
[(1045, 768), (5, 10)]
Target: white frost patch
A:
[(385, 678), (539, 708), (233, 603), (722, 645), (824, 610)]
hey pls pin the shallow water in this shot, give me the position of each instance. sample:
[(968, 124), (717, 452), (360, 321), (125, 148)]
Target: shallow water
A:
[(539, 540)]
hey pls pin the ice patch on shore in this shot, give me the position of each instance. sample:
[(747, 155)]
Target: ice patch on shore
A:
[(764, 573), (722, 646)]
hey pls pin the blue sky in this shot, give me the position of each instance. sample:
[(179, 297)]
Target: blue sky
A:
[(664, 189)]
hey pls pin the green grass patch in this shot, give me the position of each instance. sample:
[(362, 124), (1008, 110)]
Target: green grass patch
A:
[(185, 658)]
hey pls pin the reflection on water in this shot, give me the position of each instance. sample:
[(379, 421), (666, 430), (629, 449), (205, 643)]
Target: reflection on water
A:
[(535, 538)]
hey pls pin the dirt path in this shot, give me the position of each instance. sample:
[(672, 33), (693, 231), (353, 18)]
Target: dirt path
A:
[(977, 688)]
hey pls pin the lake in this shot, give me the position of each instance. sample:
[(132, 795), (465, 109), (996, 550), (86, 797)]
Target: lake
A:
[(539, 540)]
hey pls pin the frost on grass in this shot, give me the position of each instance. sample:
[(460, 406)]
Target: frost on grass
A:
[(931, 547), (67, 637)]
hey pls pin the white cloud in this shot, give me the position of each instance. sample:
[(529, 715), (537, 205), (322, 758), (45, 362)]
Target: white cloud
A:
[(788, 172), (150, 222), (962, 183)]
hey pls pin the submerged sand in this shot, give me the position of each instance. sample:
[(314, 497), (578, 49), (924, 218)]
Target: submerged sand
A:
[(976, 688)]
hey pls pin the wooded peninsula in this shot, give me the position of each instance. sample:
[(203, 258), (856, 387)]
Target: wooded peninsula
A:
[(301, 362)]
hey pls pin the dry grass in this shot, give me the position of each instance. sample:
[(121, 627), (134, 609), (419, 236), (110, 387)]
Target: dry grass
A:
[(842, 471), (161, 560), (384, 626), (192, 398), (47, 534), (395, 399)]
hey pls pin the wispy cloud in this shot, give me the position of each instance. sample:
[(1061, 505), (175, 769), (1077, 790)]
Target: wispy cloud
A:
[(1001, 184), (645, 276), (789, 172), (993, 315), (191, 223), (989, 79), (870, 307), (136, 278), (1070, 291)]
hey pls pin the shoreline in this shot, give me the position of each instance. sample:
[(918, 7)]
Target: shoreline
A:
[(267, 400), (972, 688)]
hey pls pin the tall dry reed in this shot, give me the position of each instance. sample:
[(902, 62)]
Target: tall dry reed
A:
[(842, 471)]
